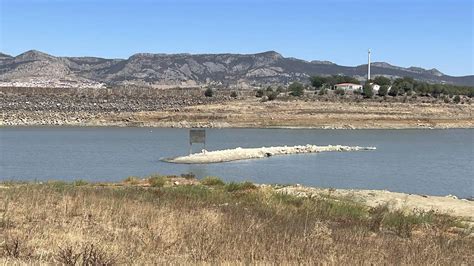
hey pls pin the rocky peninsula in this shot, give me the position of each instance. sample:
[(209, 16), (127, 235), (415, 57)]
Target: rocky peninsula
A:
[(256, 153)]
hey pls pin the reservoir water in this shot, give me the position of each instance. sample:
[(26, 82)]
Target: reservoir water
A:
[(434, 162)]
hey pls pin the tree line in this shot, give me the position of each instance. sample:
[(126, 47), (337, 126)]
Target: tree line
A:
[(395, 87)]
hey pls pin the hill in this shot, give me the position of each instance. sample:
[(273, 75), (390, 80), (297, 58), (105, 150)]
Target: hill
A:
[(37, 69)]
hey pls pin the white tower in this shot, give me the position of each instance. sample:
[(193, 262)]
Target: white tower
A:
[(368, 67)]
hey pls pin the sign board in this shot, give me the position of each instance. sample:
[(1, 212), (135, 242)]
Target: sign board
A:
[(197, 136)]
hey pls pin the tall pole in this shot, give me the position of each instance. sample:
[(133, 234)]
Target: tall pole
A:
[(368, 67)]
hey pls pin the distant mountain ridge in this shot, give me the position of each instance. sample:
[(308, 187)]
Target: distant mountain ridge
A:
[(35, 68)]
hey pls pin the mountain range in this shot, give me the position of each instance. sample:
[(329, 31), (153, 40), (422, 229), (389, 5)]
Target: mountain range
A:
[(35, 68)]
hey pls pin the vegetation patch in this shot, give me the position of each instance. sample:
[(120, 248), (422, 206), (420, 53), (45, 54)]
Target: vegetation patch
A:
[(212, 181)]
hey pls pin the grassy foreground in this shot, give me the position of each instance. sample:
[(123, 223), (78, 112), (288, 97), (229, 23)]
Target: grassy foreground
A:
[(182, 220)]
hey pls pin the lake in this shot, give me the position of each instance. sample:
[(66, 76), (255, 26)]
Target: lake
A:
[(434, 162)]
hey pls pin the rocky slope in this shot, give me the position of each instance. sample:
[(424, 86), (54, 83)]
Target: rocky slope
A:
[(37, 69)]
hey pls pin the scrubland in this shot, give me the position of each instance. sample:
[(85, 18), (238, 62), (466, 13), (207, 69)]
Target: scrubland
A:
[(165, 219)]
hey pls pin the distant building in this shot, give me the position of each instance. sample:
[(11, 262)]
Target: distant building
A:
[(375, 87), (348, 86)]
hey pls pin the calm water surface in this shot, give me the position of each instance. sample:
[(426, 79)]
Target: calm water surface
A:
[(436, 162)]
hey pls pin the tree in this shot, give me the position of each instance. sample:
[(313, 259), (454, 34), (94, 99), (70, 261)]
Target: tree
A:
[(383, 90), (381, 80), (318, 81), (457, 99), (367, 90), (209, 92), (233, 94), (296, 89), (259, 93), (406, 86), (393, 90), (272, 96)]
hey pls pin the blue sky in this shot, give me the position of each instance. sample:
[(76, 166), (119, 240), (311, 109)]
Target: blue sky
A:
[(426, 33)]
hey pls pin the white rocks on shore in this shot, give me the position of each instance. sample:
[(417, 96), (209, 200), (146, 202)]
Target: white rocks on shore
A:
[(255, 153)]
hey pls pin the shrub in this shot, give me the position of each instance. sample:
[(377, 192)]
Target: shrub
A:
[(457, 99), (259, 93), (209, 92), (399, 223), (212, 181), (233, 186), (272, 96), (322, 91), (93, 255), (233, 94), (339, 92), (296, 89), (157, 181), (131, 180), (383, 90), (269, 89), (188, 176), (80, 182), (367, 90), (394, 91)]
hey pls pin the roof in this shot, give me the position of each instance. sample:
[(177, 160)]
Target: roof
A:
[(348, 84)]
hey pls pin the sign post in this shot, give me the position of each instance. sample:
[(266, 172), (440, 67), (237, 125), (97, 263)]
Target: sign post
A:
[(196, 136)]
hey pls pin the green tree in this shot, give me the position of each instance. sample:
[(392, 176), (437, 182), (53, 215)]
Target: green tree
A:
[(394, 91), (318, 81), (367, 90), (383, 90), (457, 99), (296, 89), (381, 80), (209, 92)]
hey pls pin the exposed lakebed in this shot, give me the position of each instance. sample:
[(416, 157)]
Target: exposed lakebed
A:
[(435, 162)]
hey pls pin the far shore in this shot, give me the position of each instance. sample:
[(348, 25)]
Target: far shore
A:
[(251, 113)]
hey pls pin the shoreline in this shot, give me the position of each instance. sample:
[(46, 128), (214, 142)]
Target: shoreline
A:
[(395, 201), (188, 125), (251, 113)]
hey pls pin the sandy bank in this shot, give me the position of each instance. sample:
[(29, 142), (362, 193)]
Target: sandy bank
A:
[(395, 200), (255, 153)]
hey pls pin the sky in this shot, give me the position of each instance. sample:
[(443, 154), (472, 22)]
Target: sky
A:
[(425, 33)]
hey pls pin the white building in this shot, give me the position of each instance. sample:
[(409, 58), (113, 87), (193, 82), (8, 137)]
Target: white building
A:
[(375, 87), (348, 86)]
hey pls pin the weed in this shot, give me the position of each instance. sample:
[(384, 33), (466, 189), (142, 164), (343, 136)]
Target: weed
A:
[(80, 182), (15, 247), (288, 199), (93, 255), (157, 181), (233, 186), (212, 181), (68, 256), (132, 180)]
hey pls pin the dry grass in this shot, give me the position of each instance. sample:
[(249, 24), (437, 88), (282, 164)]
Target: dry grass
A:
[(68, 224)]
